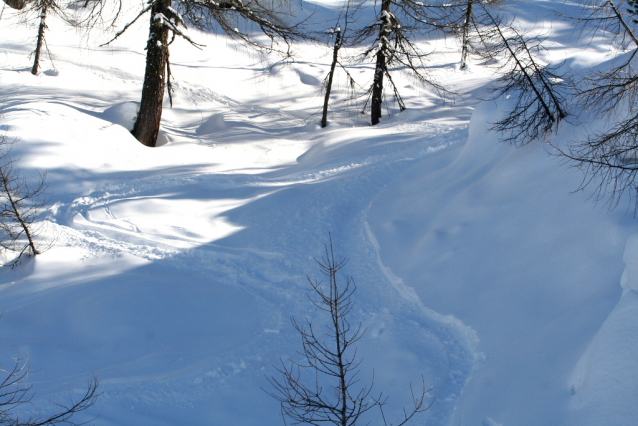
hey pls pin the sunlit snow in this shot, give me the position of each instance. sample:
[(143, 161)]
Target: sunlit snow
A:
[(173, 272)]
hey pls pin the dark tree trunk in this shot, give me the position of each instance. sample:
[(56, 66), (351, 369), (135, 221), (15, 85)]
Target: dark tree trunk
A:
[(149, 117), (40, 42), (377, 88), (466, 33), (335, 58), (381, 67), (15, 4)]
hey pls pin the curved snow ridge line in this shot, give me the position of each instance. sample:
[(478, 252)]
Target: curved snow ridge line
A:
[(311, 176), (120, 191), (117, 228), (199, 95), (411, 297), (77, 217), (140, 189), (405, 152), (96, 244), (418, 331), (459, 340), (443, 348)]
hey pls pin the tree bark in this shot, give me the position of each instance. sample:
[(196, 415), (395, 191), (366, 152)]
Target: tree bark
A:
[(335, 58), (16, 4), (149, 116), (377, 89), (40, 42), (381, 66), (466, 33)]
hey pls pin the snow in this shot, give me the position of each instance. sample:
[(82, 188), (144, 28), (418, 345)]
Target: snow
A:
[(123, 114), (629, 279), (608, 369), (174, 271), (214, 124)]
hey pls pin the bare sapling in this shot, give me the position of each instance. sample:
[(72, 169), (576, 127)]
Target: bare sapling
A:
[(324, 387)]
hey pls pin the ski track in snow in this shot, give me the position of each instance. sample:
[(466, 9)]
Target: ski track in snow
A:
[(269, 267), (175, 271), (308, 200)]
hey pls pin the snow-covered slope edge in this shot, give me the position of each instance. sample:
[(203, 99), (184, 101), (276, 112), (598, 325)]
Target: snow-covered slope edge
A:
[(605, 380), (495, 238)]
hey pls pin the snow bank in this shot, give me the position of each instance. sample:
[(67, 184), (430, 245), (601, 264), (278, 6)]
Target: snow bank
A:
[(124, 114), (604, 383), (629, 279), (214, 123), (492, 235)]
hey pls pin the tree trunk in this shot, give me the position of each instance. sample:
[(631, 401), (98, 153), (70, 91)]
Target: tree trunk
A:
[(466, 33), (15, 4), (335, 57), (377, 88), (40, 42), (149, 116), (381, 66)]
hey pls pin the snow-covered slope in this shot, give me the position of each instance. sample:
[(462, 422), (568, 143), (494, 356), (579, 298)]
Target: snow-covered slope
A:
[(174, 271), (496, 239)]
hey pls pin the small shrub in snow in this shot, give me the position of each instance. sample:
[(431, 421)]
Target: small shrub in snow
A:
[(15, 392), (332, 359), (21, 203)]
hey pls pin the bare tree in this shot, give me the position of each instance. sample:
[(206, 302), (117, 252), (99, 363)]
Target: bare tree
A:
[(39, 11), (540, 93), (341, 38), (41, 7), (79, 14), (328, 82), (465, 30), (331, 360), (164, 21), (538, 89), (236, 18), (15, 393), (394, 48), (22, 201), (609, 156), (466, 20)]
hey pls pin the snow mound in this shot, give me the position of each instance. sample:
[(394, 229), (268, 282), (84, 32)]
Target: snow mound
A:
[(163, 138), (215, 123), (629, 280), (607, 374), (123, 114), (307, 79)]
